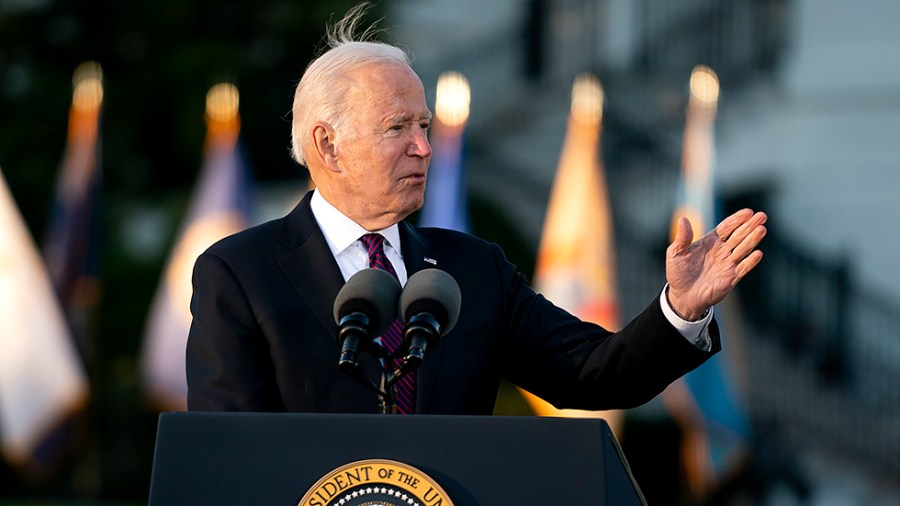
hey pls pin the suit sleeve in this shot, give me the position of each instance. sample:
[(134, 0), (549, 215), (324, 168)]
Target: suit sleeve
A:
[(229, 367), (576, 364)]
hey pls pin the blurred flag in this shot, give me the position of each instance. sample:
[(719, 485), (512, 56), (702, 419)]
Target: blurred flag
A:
[(576, 261), (220, 206), (72, 242), (705, 403), (42, 382), (445, 195), (696, 188)]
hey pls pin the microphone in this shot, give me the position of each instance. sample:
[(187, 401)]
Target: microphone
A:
[(364, 308), (430, 306)]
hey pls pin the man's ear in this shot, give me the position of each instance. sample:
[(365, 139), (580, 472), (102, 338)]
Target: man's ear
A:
[(324, 142)]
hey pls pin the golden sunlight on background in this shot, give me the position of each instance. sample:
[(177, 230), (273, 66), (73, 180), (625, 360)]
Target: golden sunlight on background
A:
[(453, 97)]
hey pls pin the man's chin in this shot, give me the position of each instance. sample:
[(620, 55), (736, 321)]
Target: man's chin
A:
[(409, 209)]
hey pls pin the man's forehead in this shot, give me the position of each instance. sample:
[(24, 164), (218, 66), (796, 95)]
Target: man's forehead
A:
[(393, 87), (386, 73)]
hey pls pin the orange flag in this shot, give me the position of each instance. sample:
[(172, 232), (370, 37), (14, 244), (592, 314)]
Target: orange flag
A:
[(576, 261)]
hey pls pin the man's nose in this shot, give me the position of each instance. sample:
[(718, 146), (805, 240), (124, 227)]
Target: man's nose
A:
[(420, 146)]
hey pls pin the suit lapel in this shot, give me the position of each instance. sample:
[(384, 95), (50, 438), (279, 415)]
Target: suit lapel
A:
[(310, 266), (416, 249), (312, 270), (418, 254)]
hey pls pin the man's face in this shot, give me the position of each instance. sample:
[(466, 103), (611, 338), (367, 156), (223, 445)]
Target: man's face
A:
[(383, 154)]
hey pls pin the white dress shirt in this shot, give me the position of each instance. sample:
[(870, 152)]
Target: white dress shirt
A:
[(342, 235)]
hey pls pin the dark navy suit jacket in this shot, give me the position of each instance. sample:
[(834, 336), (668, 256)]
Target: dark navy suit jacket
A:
[(263, 334)]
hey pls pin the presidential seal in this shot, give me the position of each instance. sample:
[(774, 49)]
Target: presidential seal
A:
[(376, 482)]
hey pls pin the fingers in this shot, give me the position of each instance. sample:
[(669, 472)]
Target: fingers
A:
[(734, 229), (730, 224), (749, 240), (747, 264), (743, 239), (740, 234)]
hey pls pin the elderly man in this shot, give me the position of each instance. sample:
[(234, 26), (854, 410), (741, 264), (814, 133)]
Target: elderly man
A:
[(263, 335)]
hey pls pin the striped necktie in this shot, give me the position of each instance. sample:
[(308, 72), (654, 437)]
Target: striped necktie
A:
[(393, 338)]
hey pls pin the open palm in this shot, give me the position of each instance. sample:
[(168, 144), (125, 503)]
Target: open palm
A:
[(701, 273)]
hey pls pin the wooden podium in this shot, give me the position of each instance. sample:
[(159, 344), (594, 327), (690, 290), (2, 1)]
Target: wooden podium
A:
[(275, 458)]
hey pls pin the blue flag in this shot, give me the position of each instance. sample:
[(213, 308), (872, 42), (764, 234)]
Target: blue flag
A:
[(72, 241), (445, 196), (706, 402)]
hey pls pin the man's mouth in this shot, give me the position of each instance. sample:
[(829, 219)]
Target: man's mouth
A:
[(418, 177)]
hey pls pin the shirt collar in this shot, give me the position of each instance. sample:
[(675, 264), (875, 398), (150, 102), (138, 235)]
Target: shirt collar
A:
[(342, 232)]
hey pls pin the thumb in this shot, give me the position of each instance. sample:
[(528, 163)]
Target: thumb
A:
[(684, 234)]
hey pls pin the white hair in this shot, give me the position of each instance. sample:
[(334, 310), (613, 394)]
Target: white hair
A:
[(320, 94)]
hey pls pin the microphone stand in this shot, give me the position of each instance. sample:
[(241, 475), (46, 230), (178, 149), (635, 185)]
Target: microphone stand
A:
[(387, 404), (387, 393), (421, 330), (385, 390)]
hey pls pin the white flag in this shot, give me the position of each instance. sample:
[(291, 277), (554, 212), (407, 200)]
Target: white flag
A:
[(42, 381)]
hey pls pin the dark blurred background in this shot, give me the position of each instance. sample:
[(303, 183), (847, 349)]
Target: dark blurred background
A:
[(818, 319)]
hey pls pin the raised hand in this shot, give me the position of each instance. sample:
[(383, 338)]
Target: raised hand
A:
[(701, 273)]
